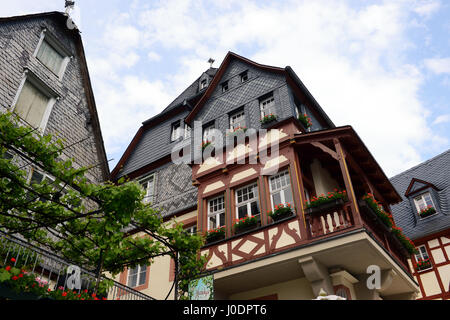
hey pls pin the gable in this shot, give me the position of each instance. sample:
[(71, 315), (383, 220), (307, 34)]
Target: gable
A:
[(259, 83), (417, 185)]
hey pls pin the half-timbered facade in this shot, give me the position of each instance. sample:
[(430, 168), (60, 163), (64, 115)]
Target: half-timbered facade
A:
[(278, 190), (424, 215)]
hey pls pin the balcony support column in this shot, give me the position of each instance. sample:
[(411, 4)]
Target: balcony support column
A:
[(348, 183), (317, 275)]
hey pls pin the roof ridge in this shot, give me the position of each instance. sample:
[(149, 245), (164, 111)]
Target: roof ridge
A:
[(421, 164)]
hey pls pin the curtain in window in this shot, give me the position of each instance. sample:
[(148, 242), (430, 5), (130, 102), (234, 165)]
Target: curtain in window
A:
[(50, 57), (31, 105)]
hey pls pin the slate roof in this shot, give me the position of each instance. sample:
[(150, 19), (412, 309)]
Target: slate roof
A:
[(190, 91), (435, 171), (155, 143)]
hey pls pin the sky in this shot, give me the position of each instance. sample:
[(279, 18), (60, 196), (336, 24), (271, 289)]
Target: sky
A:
[(382, 67)]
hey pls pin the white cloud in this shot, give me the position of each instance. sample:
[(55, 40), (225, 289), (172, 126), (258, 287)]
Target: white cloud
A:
[(443, 118), (352, 60), (427, 8), (153, 56), (438, 65)]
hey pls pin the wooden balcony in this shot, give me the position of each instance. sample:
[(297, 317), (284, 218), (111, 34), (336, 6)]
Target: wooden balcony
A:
[(357, 172)]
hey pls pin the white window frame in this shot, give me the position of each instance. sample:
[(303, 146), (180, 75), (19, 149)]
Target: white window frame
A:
[(282, 189), (187, 131), (176, 131), (422, 200), (217, 213), (267, 106), (141, 269), (244, 75), (54, 43), (249, 201), (203, 84), (208, 132), (192, 230), (422, 252), (149, 192), (225, 86), (237, 120), (42, 88), (52, 180)]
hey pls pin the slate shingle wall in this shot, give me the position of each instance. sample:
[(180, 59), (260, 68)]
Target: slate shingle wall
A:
[(70, 114)]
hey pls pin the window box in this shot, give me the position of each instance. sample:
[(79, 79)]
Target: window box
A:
[(423, 264), (268, 120), (371, 206), (322, 203), (237, 131), (215, 235), (404, 241), (429, 211), (245, 224), (305, 120), (281, 212), (206, 144)]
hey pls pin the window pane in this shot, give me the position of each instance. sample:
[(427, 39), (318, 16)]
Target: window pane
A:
[(31, 105), (288, 196), (212, 222), (276, 199), (427, 198), (255, 208), (222, 219), (50, 57), (142, 275), (132, 280), (242, 212)]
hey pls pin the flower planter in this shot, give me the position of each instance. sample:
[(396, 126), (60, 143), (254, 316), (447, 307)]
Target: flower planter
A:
[(368, 210), (10, 294), (305, 121), (281, 212), (282, 216), (427, 212), (215, 238), (423, 265), (245, 224), (268, 124), (335, 203), (245, 229)]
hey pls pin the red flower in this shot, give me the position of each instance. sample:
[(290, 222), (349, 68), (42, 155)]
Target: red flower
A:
[(8, 268), (13, 260), (64, 294), (14, 278), (21, 275)]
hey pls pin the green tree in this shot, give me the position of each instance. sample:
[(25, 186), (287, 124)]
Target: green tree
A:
[(89, 224)]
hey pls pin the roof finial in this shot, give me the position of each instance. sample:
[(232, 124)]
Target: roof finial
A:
[(211, 62), (69, 6)]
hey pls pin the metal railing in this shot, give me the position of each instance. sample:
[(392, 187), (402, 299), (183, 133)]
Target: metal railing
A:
[(50, 269)]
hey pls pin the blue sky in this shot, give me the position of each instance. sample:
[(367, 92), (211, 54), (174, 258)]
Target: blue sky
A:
[(381, 66)]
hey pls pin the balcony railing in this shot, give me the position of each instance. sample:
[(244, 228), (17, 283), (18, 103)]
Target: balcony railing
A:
[(328, 220), (51, 269)]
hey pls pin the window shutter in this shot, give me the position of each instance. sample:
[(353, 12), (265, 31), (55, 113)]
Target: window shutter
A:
[(31, 105), (50, 57)]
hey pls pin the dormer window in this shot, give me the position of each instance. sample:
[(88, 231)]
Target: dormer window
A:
[(176, 131), (203, 84), (244, 76), (424, 205), (225, 87)]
